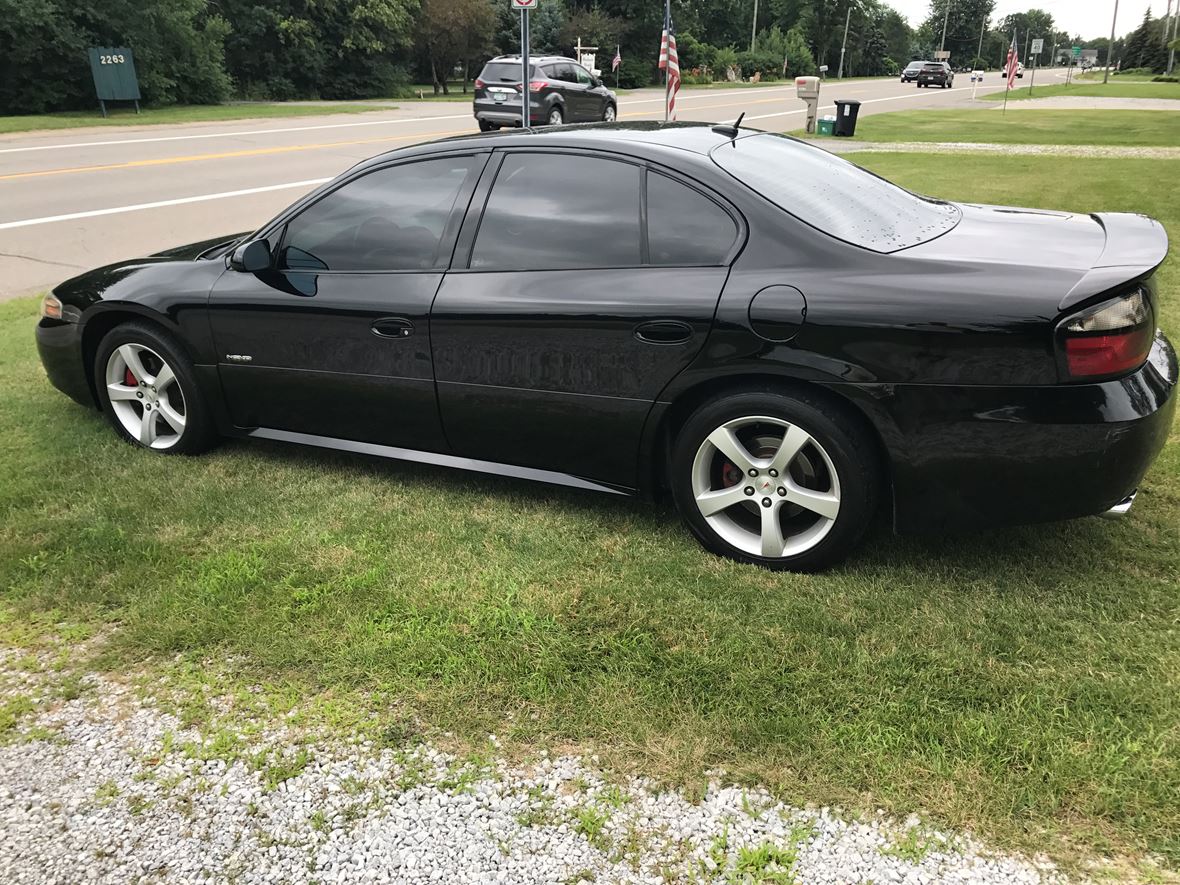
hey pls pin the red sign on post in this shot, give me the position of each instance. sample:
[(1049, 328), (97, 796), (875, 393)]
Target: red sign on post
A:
[(524, 4)]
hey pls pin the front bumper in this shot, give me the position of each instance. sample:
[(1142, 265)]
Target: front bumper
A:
[(60, 346), (974, 457)]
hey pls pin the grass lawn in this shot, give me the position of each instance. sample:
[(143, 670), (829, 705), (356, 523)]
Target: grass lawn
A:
[(122, 116), (988, 125), (1023, 683), (1115, 89)]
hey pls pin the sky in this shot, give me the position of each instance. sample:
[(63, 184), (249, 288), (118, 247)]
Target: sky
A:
[(1089, 18)]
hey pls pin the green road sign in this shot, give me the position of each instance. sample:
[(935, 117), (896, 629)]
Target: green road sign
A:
[(1077, 52), (113, 70)]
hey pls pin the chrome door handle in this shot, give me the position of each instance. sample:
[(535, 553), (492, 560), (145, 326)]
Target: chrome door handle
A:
[(393, 327)]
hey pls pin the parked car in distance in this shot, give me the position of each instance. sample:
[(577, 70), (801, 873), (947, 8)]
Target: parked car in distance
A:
[(560, 91), (910, 73), (936, 73), (1020, 70), (648, 307)]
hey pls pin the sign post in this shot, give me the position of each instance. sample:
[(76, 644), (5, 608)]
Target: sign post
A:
[(113, 70), (524, 6), (1037, 45)]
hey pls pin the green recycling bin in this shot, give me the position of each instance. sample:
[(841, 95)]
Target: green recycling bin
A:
[(825, 126)]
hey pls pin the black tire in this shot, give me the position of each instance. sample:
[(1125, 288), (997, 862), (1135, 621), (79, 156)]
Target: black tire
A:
[(555, 112), (485, 126), (200, 431), (832, 426), (611, 111)]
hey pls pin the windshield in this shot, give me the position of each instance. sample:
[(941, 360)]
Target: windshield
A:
[(833, 195), (504, 72), (913, 66)]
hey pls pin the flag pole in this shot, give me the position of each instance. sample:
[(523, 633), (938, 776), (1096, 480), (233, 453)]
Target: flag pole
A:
[(667, 25), (1008, 74), (618, 46)]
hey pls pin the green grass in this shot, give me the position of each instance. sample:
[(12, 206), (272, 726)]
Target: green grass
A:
[(1024, 683), (1133, 128), (1114, 89), (122, 116)]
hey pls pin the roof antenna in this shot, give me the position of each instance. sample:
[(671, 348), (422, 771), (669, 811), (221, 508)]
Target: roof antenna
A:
[(731, 131)]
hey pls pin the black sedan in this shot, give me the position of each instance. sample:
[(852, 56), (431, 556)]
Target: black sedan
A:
[(784, 341)]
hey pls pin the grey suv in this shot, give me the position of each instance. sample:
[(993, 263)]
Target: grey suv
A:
[(560, 91)]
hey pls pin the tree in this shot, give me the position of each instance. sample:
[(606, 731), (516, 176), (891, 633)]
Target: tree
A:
[(963, 25), (452, 32), (1145, 48)]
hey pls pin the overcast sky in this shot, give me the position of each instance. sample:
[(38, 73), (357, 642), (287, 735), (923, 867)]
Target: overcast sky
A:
[(1090, 18)]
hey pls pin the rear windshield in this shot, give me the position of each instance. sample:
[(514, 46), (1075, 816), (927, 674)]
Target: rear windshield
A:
[(932, 67), (833, 195), (504, 72)]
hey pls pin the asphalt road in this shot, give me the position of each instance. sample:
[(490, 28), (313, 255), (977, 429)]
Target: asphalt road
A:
[(75, 199)]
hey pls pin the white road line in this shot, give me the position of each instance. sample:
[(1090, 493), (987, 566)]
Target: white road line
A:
[(87, 144), (232, 134), (116, 210)]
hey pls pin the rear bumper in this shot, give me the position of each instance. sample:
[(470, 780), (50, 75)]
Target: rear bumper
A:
[(508, 112), (975, 457), (60, 347)]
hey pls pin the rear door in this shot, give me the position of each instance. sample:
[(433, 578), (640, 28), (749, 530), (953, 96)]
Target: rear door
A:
[(334, 339), (591, 283)]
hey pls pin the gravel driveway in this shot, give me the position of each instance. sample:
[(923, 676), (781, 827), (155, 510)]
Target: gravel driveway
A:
[(107, 787)]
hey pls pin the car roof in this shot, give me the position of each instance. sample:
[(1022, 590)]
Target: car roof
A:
[(533, 59), (693, 138)]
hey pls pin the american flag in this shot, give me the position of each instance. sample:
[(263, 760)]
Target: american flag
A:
[(670, 64), (617, 60), (1012, 61)]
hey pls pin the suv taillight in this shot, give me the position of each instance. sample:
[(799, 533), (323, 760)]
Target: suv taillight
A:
[(536, 85), (479, 84), (1110, 338)]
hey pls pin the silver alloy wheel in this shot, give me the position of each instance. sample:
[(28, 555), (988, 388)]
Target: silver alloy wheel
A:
[(608, 116), (555, 117), (145, 396), (766, 486)]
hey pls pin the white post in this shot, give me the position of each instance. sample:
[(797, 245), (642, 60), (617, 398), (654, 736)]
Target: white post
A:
[(844, 45), (1110, 46)]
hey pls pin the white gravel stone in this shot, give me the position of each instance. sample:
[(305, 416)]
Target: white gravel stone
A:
[(101, 801)]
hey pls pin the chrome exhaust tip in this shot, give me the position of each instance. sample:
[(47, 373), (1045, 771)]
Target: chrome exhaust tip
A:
[(1122, 508)]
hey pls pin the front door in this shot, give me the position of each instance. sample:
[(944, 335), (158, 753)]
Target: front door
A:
[(573, 315), (334, 339)]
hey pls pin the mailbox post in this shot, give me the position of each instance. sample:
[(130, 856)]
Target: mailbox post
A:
[(807, 88)]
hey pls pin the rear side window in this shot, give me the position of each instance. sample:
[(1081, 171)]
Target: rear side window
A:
[(504, 72), (390, 219), (834, 195), (560, 211), (684, 227)]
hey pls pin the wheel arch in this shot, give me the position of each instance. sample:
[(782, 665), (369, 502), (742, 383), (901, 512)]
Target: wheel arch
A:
[(108, 316), (657, 454)]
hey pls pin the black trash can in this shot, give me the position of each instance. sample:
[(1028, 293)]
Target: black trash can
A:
[(846, 112)]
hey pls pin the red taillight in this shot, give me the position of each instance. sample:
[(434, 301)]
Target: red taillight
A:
[(1111, 338), (536, 85), (479, 84)]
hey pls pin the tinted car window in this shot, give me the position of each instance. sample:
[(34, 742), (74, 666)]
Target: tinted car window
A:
[(565, 73), (390, 219), (684, 226), (557, 211), (582, 75), (504, 72), (833, 195)]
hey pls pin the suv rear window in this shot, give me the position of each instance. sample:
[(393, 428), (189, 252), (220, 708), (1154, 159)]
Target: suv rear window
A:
[(937, 68), (833, 195), (504, 72)]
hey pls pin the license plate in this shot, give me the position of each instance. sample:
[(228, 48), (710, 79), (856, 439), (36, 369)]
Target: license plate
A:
[(499, 97)]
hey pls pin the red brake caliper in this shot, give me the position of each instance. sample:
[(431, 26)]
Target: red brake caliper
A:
[(129, 379), (730, 474)]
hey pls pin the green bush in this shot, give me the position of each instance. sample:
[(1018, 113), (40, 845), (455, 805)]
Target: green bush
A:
[(1135, 72), (1165, 79), (768, 64), (635, 73)]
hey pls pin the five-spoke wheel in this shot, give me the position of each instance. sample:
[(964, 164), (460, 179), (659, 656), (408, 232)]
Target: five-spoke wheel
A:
[(148, 390), (784, 481)]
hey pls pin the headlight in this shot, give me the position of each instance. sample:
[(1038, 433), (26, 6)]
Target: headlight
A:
[(51, 307)]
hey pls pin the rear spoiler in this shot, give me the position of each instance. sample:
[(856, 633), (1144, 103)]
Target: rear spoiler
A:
[(1135, 246)]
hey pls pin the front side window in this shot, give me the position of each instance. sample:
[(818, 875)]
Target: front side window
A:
[(684, 227), (582, 75), (834, 195), (560, 211), (389, 219)]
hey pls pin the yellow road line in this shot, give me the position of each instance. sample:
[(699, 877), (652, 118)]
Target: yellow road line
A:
[(252, 152)]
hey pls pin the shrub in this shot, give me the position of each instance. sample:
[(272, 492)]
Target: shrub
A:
[(635, 73), (769, 65), (1165, 79)]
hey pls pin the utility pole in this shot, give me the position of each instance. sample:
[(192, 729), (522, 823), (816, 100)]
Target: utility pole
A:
[(844, 45), (979, 52), (945, 19), (1110, 47), (1175, 24), (1168, 21), (754, 26)]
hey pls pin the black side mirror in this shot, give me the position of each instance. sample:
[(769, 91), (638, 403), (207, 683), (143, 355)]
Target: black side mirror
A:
[(251, 257)]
